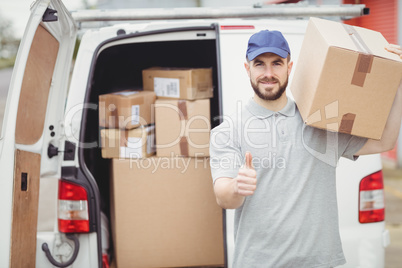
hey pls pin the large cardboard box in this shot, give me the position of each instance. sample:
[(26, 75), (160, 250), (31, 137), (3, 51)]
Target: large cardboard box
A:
[(132, 143), (182, 127), (345, 80), (164, 213), (126, 109), (179, 83)]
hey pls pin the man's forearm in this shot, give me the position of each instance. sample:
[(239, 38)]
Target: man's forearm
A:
[(393, 125)]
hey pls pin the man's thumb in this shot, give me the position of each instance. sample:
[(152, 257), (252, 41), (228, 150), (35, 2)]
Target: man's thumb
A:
[(249, 160)]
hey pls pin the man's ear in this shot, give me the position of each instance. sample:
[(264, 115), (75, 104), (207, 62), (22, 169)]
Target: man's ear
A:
[(290, 66), (247, 66)]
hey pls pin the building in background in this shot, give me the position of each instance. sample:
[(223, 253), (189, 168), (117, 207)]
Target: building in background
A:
[(383, 18)]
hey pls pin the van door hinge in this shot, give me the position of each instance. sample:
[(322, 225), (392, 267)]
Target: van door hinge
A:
[(52, 150), (50, 15)]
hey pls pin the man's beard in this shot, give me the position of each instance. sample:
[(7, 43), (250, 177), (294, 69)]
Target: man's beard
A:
[(268, 96)]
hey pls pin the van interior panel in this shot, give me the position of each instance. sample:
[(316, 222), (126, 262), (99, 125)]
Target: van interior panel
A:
[(35, 87), (25, 209)]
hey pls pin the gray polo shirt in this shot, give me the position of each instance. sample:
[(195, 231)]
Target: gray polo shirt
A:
[(292, 218)]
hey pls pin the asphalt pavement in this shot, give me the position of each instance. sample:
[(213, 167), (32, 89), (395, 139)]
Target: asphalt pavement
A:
[(393, 216), (5, 77)]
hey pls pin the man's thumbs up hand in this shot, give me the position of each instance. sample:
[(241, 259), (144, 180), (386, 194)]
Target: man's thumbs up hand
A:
[(246, 180), (249, 161)]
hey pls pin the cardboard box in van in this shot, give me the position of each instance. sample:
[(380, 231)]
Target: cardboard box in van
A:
[(182, 127), (164, 213), (132, 143), (179, 83), (126, 109), (345, 80)]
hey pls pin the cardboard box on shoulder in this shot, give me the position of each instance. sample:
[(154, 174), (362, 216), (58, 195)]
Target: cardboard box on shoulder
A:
[(179, 83), (164, 213), (132, 143), (126, 109), (182, 127), (344, 80)]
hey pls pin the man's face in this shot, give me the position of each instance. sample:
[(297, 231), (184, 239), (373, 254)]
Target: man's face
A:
[(269, 75)]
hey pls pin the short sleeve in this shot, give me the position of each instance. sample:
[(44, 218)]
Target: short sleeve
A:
[(349, 145), (329, 146), (225, 152)]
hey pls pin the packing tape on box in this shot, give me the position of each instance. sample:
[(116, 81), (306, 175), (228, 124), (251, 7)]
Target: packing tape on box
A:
[(347, 123), (123, 138), (363, 67), (183, 146), (182, 105), (365, 59)]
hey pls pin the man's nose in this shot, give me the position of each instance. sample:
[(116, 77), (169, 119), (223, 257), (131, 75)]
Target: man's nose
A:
[(268, 72)]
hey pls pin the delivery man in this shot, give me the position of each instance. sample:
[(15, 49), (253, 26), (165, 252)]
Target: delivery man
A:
[(284, 195)]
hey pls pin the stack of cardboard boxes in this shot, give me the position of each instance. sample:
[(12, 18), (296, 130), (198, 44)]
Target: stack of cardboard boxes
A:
[(163, 209), (127, 124), (182, 110)]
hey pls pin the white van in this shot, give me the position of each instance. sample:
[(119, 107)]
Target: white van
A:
[(49, 145)]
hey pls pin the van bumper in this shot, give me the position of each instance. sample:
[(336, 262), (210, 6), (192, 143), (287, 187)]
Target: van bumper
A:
[(364, 245)]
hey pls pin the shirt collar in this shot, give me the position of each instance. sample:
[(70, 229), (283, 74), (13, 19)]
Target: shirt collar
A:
[(258, 110)]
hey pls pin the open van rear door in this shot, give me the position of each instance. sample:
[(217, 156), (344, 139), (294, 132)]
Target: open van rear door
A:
[(32, 124)]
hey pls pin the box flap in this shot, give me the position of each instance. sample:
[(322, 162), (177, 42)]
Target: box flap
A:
[(354, 38)]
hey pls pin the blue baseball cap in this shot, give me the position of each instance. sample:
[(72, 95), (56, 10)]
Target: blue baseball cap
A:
[(267, 41)]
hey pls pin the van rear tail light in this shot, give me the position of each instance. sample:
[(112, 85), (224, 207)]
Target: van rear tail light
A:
[(371, 201), (73, 208), (105, 261)]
